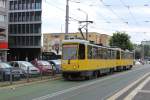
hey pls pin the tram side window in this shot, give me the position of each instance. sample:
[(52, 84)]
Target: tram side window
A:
[(100, 53), (95, 52), (108, 54), (81, 51), (131, 56), (126, 55), (122, 55), (104, 50), (90, 52), (118, 54), (113, 55)]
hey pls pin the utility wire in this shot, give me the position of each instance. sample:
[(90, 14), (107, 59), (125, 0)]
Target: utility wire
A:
[(61, 9), (110, 9), (54, 6), (128, 7)]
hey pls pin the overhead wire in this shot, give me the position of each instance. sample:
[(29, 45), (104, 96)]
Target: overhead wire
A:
[(111, 10), (131, 14), (109, 7), (102, 18)]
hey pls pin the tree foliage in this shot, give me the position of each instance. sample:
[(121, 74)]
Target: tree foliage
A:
[(146, 51), (121, 40)]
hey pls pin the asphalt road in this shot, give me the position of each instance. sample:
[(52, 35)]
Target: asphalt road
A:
[(95, 89)]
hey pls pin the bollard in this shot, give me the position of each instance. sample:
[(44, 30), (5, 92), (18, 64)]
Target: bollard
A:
[(10, 76), (27, 74), (53, 69), (2, 78), (41, 74)]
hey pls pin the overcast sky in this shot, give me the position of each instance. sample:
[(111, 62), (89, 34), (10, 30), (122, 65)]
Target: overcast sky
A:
[(131, 16)]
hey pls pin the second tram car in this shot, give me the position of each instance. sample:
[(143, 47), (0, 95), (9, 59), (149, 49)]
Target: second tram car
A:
[(82, 59)]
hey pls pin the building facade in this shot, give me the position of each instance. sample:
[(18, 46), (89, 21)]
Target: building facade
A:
[(145, 42), (52, 41), (3, 30), (24, 29)]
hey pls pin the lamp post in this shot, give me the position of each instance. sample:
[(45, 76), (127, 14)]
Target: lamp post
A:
[(67, 17), (86, 22)]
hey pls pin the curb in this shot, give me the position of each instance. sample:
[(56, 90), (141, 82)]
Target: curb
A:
[(30, 83)]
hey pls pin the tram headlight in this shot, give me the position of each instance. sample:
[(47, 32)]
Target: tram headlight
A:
[(74, 67)]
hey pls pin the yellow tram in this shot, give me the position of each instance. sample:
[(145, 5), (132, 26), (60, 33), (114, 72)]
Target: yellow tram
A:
[(80, 58)]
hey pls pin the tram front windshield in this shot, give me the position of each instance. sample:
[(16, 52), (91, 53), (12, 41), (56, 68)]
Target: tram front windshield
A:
[(69, 52)]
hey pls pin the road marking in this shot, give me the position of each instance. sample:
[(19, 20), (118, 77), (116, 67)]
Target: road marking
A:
[(48, 96), (70, 89), (144, 91), (136, 90), (119, 93)]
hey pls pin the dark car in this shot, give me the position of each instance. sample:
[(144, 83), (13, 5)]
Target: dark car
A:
[(6, 70), (44, 66), (56, 64)]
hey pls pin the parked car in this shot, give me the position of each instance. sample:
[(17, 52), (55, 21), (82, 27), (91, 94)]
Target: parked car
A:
[(137, 63), (24, 65), (5, 72), (43, 66), (56, 64)]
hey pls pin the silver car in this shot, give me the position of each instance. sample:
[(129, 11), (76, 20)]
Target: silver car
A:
[(26, 67), (56, 65)]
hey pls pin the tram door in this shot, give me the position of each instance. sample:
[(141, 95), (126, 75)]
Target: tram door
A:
[(81, 56)]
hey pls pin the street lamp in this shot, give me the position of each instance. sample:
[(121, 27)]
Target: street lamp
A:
[(67, 16), (86, 22)]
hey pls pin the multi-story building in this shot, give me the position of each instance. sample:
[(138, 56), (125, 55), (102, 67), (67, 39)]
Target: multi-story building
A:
[(52, 41), (145, 42), (24, 29), (3, 30)]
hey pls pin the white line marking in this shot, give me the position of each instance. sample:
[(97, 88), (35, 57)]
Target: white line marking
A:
[(48, 96), (71, 89), (135, 91), (144, 91), (119, 93)]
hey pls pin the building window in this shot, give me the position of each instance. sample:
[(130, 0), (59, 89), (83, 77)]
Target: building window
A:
[(33, 5), (11, 7), (32, 14), (37, 28), (37, 6), (2, 3), (20, 6), (38, 16), (11, 17), (15, 17), (19, 17), (16, 6), (28, 5), (2, 18)]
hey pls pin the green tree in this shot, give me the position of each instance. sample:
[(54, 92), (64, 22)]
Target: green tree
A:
[(146, 50), (121, 40)]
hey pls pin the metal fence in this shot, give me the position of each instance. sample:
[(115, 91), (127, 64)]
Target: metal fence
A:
[(11, 78)]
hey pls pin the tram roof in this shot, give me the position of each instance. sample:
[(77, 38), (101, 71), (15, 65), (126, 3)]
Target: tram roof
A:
[(87, 42)]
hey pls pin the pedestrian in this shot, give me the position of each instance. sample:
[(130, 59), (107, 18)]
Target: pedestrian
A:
[(26, 59), (0, 59)]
